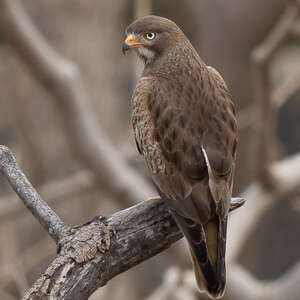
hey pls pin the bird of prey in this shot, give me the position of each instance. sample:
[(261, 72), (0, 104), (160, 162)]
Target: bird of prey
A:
[(185, 128)]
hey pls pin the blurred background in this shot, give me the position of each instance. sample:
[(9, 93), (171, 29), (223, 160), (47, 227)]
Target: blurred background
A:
[(64, 151)]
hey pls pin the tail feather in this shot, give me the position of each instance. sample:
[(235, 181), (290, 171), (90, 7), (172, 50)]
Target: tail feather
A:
[(221, 267), (207, 246)]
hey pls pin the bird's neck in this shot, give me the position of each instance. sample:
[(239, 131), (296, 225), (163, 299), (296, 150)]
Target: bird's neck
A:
[(179, 59)]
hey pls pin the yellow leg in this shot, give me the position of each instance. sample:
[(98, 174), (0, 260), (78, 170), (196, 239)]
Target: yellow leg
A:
[(154, 198)]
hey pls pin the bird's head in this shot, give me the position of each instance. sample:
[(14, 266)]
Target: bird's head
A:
[(151, 37)]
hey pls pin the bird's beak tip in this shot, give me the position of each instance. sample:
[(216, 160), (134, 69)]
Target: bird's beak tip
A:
[(125, 47)]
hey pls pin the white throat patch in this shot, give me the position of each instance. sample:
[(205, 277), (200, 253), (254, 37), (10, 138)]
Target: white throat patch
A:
[(146, 54)]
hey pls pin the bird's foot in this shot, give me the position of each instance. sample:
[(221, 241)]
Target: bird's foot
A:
[(154, 198)]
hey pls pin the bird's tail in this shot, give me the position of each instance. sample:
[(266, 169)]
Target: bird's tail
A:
[(207, 245)]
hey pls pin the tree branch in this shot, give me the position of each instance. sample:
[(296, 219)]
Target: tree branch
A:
[(92, 254), (286, 174), (261, 56), (54, 191), (96, 252), (241, 284), (32, 200)]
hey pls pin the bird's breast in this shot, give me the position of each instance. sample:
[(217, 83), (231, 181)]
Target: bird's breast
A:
[(143, 126)]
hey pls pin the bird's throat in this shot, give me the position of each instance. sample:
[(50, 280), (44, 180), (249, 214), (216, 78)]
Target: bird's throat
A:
[(145, 54)]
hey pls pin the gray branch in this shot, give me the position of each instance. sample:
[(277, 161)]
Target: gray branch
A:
[(91, 254), (98, 251), (32, 200)]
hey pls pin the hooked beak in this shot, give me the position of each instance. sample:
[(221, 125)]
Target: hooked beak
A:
[(130, 43)]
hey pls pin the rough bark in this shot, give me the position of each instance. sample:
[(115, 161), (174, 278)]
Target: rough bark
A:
[(91, 254), (94, 253)]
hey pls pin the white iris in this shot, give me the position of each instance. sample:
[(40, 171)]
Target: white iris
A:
[(150, 35)]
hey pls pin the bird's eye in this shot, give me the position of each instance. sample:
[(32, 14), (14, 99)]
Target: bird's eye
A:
[(150, 35)]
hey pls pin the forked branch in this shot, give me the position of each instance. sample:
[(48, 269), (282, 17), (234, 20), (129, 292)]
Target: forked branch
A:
[(92, 254)]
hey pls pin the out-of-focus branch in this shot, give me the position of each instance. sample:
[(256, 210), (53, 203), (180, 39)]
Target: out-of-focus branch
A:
[(31, 199), (279, 34), (30, 258), (279, 95), (58, 190), (286, 174), (285, 91), (242, 285), (170, 283), (62, 80), (174, 287), (262, 55), (17, 273)]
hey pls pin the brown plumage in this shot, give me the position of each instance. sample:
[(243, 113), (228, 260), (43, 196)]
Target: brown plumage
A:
[(185, 128)]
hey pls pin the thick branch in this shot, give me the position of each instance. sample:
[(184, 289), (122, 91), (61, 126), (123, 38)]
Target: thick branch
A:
[(92, 254), (104, 248), (32, 200)]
